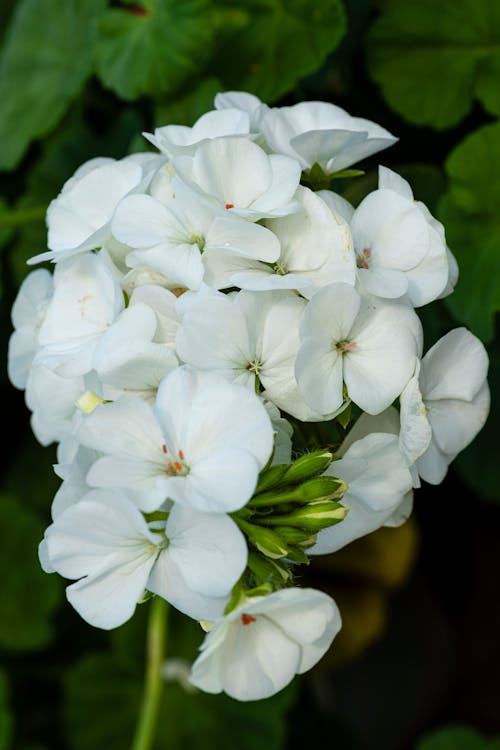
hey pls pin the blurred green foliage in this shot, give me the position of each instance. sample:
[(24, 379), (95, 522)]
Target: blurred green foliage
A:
[(80, 79)]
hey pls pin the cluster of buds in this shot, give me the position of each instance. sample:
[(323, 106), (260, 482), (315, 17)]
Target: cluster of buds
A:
[(214, 305)]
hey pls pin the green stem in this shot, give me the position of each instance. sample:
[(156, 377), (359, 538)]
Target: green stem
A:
[(155, 655), (13, 219)]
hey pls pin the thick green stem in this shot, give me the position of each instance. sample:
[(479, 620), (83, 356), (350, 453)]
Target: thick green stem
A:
[(155, 655), (13, 219)]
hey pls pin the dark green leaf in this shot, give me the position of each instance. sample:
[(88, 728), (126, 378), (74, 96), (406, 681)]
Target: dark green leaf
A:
[(266, 46), (103, 696), (457, 738), (30, 596), (153, 52), (469, 212), (433, 59), (45, 62)]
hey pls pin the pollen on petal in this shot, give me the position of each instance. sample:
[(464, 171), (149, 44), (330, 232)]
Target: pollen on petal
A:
[(164, 448), (181, 455), (247, 619)]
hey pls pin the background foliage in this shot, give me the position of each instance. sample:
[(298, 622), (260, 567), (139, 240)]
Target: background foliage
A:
[(420, 648)]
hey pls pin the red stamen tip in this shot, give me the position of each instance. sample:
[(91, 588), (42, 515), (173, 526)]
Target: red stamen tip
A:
[(178, 466), (247, 619), (229, 205), (164, 448), (181, 455)]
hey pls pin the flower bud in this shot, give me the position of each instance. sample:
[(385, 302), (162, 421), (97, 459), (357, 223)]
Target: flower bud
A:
[(314, 516), (296, 537), (266, 541), (320, 488), (308, 466)]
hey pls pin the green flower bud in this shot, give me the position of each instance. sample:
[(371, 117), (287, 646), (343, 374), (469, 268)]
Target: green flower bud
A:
[(296, 537), (314, 516), (298, 555), (320, 488), (266, 541), (271, 477), (308, 466)]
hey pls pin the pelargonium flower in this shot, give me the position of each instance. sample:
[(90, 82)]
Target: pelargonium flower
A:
[(345, 340), (202, 443), (192, 560), (258, 648)]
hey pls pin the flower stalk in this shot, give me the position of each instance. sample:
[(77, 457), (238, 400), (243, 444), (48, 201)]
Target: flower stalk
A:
[(156, 641)]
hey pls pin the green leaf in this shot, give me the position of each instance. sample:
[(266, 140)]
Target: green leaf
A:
[(155, 51), (469, 212), (29, 595), (5, 715), (433, 59), (45, 62), (267, 46), (103, 696), (457, 738)]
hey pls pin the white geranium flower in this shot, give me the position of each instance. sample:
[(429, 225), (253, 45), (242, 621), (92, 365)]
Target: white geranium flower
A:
[(346, 340), (248, 338), (378, 481), (259, 647), (322, 133), (240, 177), (429, 278), (316, 249), (87, 299), (178, 139), (78, 219), (105, 542), (176, 238), (445, 404), (163, 302), (28, 313), (202, 444)]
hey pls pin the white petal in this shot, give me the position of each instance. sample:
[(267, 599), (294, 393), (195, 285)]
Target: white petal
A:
[(455, 367), (319, 374), (209, 550), (456, 423)]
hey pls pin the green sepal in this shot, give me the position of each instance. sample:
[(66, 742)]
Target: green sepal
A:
[(345, 417), (298, 555), (316, 178), (268, 571), (343, 173), (146, 596)]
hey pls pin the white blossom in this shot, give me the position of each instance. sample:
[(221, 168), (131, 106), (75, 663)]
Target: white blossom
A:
[(259, 647), (192, 561)]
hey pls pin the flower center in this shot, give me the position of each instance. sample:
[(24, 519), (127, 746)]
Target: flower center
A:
[(177, 467), (345, 346), (362, 258), (254, 366), (280, 268), (247, 619)]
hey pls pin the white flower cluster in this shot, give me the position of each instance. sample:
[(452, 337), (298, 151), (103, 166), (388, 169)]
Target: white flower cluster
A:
[(207, 305)]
